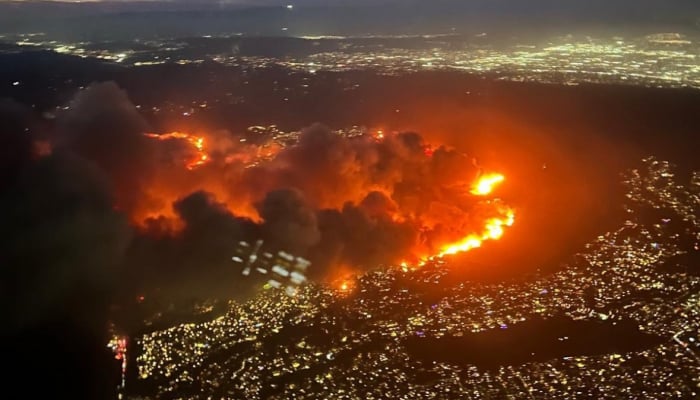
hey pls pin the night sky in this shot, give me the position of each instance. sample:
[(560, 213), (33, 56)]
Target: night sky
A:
[(121, 19)]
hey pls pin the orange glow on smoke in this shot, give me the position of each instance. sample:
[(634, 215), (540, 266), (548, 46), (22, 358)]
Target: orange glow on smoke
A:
[(228, 158), (196, 141), (204, 161), (486, 184)]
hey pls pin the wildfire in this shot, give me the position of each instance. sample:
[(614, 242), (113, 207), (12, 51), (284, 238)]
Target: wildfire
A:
[(498, 218), (404, 266), (494, 228), (196, 141), (486, 183), (345, 285)]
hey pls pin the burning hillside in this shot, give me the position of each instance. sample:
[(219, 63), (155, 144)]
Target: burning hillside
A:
[(438, 197), (342, 201)]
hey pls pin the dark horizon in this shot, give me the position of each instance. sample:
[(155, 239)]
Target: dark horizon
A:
[(127, 19)]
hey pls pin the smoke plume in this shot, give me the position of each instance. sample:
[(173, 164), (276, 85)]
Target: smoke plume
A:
[(350, 202)]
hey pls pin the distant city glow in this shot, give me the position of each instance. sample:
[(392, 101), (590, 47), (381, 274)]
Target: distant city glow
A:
[(666, 59)]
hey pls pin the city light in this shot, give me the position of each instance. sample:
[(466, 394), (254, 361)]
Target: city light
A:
[(391, 305)]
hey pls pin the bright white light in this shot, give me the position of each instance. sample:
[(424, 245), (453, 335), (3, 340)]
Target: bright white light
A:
[(290, 6)]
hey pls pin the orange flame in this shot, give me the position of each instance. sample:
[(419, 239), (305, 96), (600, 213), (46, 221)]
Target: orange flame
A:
[(345, 285), (494, 228), (486, 184), (196, 141)]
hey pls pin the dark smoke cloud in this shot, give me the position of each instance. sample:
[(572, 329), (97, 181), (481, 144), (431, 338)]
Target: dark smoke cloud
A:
[(62, 234), (69, 252), (353, 202), (361, 237), (17, 144), (290, 222), (194, 262), (103, 126), (331, 170), (378, 205), (61, 252), (373, 199)]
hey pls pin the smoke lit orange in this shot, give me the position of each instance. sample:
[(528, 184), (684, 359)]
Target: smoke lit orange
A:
[(492, 216)]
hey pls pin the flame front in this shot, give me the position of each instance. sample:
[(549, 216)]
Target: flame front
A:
[(485, 185), (196, 141), (494, 228)]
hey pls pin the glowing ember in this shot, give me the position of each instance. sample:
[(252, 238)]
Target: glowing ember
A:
[(486, 184), (196, 141), (42, 148), (345, 285)]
